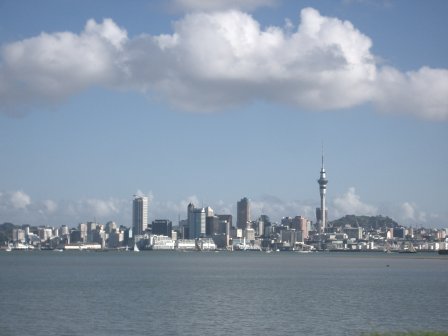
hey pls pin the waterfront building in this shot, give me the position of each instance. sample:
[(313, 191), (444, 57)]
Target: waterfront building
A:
[(353, 233), (209, 212), (300, 224), (227, 219), (162, 242), (289, 236), (82, 231), (64, 230), (212, 225), (399, 232), (206, 244), (44, 233), (80, 247), (286, 221), (186, 244), (75, 236), (321, 213), (116, 238), (250, 235), (91, 226), (110, 226), (183, 228), (139, 215), (18, 235), (259, 227), (162, 227), (174, 235), (243, 214), (91, 229), (196, 222)]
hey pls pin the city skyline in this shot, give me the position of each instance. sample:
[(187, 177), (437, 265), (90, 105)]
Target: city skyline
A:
[(187, 104)]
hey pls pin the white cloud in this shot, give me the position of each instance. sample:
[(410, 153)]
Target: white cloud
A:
[(19, 199), (409, 213), (228, 59), (17, 207), (216, 60), (214, 5), (350, 204), (422, 93), (277, 208), (50, 206), (50, 67), (101, 208), (172, 209)]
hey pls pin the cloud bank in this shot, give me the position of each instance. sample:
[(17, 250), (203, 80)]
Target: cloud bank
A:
[(350, 204), (217, 60), (19, 208)]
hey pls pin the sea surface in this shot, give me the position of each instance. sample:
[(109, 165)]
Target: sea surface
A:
[(220, 293)]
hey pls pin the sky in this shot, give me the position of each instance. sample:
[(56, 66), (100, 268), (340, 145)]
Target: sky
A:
[(212, 101)]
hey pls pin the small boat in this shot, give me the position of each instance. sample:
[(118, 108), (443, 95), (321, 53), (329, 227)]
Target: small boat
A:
[(8, 248), (136, 248)]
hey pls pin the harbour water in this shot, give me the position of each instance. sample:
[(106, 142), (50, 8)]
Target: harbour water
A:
[(221, 293)]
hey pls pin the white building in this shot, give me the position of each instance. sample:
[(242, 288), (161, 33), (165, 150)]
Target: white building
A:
[(186, 244), (162, 243), (18, 235)]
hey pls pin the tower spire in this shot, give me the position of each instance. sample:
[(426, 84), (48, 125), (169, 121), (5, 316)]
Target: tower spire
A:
[(323, 169), (322, 218)]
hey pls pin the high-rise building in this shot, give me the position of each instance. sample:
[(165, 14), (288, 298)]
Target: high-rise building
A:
[(300, 224), (243, 214), (139, 215), (196, 222), (322, 212), (162, 227), (83, 232)]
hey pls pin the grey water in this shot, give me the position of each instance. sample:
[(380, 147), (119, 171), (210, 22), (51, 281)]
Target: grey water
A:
[(243, 293)]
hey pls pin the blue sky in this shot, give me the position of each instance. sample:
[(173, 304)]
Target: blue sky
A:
[(188, 100)]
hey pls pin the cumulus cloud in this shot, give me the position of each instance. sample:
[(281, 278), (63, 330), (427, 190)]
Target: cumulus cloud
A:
[(422, 92), (410, 213), (50, 206), (214, 5), (220, 59), (101, 208), (17, 207), (50, 67), (350, 204), (277, 208), (19, 199)]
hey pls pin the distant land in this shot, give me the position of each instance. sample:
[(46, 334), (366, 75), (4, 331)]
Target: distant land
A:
[(365, 222)]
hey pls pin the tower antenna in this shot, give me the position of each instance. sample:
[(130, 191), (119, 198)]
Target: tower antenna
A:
[(322, 155)]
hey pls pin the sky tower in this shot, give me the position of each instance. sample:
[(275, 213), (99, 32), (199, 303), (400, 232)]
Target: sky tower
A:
[(322, 213)]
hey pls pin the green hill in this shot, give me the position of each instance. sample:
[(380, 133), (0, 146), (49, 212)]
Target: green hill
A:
[(366, 222)]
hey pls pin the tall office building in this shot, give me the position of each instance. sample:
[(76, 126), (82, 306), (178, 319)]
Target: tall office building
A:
[(196, 222), (139, 215), (162, 227), (321, 213), (300, 224), (243, 214)]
